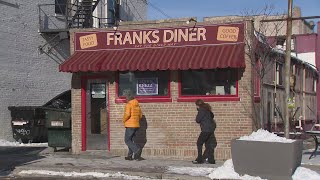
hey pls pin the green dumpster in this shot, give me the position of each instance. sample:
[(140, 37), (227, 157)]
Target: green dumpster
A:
[(58, 123), (28, 124)]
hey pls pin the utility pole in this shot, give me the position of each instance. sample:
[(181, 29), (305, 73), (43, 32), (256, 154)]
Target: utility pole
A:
[(287, 70), (289, 20)]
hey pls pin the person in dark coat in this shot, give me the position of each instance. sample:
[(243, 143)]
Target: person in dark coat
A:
[(205, 118)]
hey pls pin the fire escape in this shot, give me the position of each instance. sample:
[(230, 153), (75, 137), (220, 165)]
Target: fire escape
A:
[(55, 21)]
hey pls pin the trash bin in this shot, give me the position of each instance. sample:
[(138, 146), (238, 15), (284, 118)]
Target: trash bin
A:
[(58, 123), (28, 124)]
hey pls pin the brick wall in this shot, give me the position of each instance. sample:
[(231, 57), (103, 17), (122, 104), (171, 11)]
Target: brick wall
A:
[(27, 77), (171, 129)]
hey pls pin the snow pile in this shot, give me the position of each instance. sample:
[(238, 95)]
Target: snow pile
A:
[(224, 172), (84, 174), (193, 171), (263, 135), (8, 143), (227, 172), (305, 173)]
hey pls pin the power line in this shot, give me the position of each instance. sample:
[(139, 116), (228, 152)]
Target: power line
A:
[(135, 9), (156, 8)]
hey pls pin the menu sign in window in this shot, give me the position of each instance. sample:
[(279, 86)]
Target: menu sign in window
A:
[(98, 90), (147, 86)]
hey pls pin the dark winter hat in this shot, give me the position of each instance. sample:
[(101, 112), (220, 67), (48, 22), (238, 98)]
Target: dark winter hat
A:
[(129, 95)]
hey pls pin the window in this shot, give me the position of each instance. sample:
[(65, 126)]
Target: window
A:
[(279, 74), (256, 85), (209, 83), (147, 84), (60, 7), (314, 85)]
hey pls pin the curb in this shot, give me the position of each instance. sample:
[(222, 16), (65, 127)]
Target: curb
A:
[(151, 175), (183, 177)]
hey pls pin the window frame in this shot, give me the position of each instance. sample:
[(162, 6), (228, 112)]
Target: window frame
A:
[(279, 74), (256, 80), (314, 87), (60, 9), (208, 98), (143, 99)]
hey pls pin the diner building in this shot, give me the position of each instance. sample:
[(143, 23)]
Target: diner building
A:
[(168, 64)]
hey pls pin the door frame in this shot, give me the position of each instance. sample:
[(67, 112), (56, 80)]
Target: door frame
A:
[(84, 80)]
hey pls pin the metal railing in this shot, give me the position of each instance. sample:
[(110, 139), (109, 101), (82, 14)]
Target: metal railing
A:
[(49, 21), (72, 16)]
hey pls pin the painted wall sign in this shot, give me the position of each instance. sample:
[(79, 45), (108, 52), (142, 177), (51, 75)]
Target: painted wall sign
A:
[(226, 33), (147, 86), (161, 37), (88, 41)]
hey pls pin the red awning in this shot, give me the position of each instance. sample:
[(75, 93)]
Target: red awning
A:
[(170, 58)]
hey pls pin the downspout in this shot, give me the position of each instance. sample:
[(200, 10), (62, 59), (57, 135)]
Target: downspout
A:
[(275, 114), (304, 92), (317, 52)]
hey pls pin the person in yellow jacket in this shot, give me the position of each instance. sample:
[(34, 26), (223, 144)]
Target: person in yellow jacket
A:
[(131, 120)]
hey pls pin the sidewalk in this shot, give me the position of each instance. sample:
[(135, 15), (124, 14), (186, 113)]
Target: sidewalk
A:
[(102, 162)]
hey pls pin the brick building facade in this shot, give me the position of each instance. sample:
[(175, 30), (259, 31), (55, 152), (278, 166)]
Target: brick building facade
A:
[(169, 129), (34, 40), (28, 78)]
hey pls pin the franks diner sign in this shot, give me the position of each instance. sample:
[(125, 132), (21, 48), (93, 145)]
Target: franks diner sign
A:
[(163, 37)]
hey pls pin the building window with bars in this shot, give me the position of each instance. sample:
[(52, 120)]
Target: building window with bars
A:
[(60, 7)]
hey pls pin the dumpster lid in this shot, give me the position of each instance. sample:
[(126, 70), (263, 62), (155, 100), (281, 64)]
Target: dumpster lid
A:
[(61, 101), (23, 108)]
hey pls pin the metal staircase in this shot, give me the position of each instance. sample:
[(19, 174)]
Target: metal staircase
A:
[(55, 21), (82, 13), (78, 14)]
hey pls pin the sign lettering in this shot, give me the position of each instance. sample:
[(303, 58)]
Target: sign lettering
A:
[(161, 37), (88, 41), (147, 86), (226, 33)]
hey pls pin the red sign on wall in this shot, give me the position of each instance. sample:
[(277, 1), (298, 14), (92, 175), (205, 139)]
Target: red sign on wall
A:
[(161, 37)]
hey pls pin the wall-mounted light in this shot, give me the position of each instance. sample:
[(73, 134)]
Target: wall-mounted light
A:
[(115, 27), (192, 20), (116, 32)]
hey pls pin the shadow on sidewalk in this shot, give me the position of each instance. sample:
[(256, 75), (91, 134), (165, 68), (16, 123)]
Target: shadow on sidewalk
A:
[(141, 136), (10, 157)]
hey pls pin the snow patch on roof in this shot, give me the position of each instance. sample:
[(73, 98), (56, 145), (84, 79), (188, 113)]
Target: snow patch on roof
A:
[(309, 57)]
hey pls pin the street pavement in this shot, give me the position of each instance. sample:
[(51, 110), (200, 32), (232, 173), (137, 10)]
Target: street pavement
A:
[(102, 162), (11, 157), (14, 160)]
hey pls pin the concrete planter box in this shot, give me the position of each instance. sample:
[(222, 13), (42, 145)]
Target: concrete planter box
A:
[(270, 160)]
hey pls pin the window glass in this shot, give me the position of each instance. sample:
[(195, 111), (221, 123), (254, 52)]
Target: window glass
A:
[(279, 74), (209, 82), (147, 83), (60, 7)]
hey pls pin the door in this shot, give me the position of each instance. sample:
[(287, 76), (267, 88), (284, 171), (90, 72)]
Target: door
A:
[(97, 115)]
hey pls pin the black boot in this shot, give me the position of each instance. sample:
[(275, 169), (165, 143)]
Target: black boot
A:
[(129, 158), (198, 161), (137, 155)]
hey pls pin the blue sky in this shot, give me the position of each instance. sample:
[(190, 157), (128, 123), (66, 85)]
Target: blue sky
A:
[(207, 8)]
